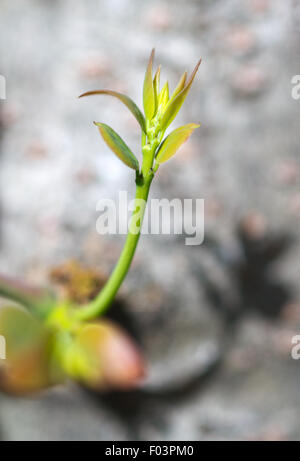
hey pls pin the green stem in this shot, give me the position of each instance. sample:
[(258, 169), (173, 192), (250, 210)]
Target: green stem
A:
[(108, 293)]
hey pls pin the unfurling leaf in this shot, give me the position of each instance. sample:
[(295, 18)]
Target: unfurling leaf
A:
[(148, 94), (156, 84), (174, 141), (180, 86), (176, 103), (107, 358), (27, 367), (125, 100), (118, 146), (163, 98)]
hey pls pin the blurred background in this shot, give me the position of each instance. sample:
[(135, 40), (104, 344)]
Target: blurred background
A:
[(215, 321)]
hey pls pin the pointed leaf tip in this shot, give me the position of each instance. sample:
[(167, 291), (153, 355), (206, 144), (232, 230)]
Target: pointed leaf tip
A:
[(180, 86), (174, 141), (118, 146), (148, 92), (136, 112), (176, 103)]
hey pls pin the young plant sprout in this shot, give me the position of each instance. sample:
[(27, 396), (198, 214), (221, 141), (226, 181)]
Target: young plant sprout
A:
[(52, 339)]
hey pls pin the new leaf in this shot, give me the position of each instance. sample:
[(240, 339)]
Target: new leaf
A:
[(180, 86), (149, 93), (174, 141), (125, 100), (156, 84), (118, 146), (176, 103)]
